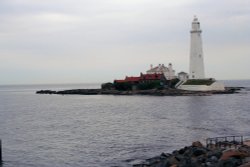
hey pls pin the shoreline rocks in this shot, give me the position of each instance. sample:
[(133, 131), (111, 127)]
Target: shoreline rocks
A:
[(153, 92), (198, 155)]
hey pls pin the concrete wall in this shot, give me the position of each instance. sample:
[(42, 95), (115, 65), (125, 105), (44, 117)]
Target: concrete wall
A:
[(215, 86)]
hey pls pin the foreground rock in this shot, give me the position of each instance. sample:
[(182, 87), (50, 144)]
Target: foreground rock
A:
[(197, 155), (155, 92)]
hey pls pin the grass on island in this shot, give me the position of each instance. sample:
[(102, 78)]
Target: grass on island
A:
[(199, 82)]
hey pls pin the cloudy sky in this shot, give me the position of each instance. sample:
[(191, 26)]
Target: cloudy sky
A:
[(78, 41)]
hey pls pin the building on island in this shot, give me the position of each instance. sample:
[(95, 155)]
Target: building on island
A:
[(158, 73), (197, 80), (133, 80), (156, 77), (144, 81), (182, 76), (196, 67), (168, 72), (143, 78), (162, 76)]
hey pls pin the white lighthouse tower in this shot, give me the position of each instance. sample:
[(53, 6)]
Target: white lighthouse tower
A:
[(197, 80), (196, 53)]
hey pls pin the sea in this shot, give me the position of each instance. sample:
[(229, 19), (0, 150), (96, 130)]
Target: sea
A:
[(39, 130)]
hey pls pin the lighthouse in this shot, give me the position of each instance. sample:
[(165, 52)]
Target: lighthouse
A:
[(197, 80), (196, 53)]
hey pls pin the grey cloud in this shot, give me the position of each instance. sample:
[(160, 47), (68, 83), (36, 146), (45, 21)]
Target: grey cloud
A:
[(110, 35)]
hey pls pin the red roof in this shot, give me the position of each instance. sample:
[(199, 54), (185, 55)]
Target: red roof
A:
[(128, 79), (132, 79), (141, 78), (119, 81)]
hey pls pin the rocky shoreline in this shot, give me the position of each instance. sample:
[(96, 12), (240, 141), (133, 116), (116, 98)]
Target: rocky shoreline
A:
[(198, 155), (154, 92)]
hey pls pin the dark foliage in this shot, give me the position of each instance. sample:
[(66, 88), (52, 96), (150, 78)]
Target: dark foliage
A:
[(107, 86), (149, 85), (123, 86)]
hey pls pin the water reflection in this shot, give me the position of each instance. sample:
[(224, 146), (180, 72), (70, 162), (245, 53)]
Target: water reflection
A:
[(198, 116)]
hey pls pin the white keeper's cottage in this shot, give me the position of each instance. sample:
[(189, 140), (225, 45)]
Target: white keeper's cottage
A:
[(168, 72)]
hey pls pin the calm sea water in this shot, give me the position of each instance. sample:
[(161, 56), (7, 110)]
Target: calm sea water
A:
[(105, 131)]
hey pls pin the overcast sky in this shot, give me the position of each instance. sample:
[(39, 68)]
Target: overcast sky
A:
[(78, 41)]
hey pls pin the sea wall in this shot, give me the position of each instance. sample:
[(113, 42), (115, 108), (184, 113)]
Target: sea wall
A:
[(216, 86)]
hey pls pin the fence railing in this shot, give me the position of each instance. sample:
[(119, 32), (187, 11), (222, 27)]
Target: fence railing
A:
[(224, 142)]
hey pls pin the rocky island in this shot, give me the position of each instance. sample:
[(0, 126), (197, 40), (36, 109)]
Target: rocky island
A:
[(153, 92)]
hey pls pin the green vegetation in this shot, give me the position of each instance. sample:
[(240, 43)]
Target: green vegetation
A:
[(144, 85), (150, 85), (199, 82), (123, 86), (107, 86)]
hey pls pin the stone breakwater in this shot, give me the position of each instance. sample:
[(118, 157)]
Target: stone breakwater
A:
[(155, 92), (197, 155)]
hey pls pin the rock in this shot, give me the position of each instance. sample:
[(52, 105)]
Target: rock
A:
[(245, 149), (165, 155), (232, 153), (179, 157), (214, 159), (175, 152), (153, 160), (174, 165), (208, 164), (140, 165), (231, 162), (46, 92), (199, 156), (165, 163), (199, 151), (245, 165), (247, 160), (216, 153), (197, 144), (247, 143), (201, 159), (182, 151), (187, 151), (173, 160), (187, 162)]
